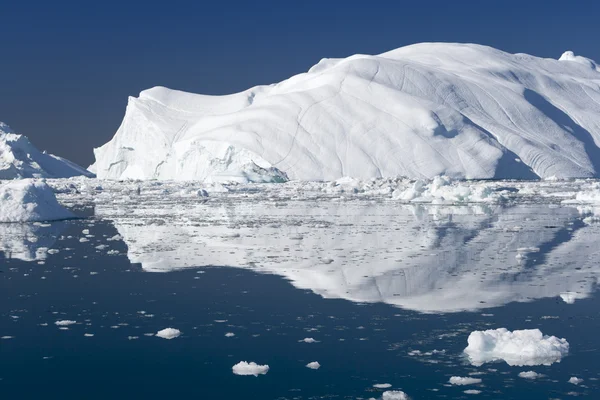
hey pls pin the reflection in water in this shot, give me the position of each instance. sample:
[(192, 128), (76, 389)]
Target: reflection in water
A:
[(425, 258), (28, 242)]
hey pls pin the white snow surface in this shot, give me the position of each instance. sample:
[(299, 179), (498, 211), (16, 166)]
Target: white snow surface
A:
[(168, 333), (461, 110), (516, 348), (20, 159), (249, 368), (30, 200)]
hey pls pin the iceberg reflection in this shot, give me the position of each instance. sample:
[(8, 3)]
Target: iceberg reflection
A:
[(28, 242), (424, 258)]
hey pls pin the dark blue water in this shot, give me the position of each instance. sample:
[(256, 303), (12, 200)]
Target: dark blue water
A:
[(358, 344)]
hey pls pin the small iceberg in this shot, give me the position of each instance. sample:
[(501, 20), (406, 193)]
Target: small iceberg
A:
[(30, 200), (517, 348)]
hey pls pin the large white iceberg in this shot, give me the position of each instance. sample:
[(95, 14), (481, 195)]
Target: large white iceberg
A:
[(461, 110), (20, 159), (517, 348), (30, 200)]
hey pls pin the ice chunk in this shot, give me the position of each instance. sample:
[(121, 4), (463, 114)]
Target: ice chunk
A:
[(516, 348), (530, 375), (252, 368), (382, 386), (168, 333), (30, 200), (394, 395), (65, 322), (460, 380), (575, 381), (313, 365)]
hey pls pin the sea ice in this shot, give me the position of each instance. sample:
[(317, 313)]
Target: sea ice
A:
[(517, 348), (252, 368), (394, 395), (313, 365), (530, 375), (65, 322), (168, 333), (460, 380)]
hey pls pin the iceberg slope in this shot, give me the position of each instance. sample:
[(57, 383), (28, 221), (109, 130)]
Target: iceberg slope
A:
[(20, 159), (462, 110)]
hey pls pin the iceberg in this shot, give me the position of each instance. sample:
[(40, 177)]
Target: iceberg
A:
[(30, 200), (516, 348), (461, 110), (20, 159)]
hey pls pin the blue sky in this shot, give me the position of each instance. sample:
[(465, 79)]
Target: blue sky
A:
[(67, 67)]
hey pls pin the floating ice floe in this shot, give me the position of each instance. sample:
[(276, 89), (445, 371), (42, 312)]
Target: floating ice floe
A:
[(308, 340), (313, 365), (530, 375), (65, 322), (575, 381), (168, 333), (460, 380), (472, 391), (516, 348), (249, 368), (443, 190), (382, 385), (30, 200), (394, 395)]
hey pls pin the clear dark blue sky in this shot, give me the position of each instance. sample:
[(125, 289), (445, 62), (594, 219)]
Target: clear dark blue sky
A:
[(67, 67)]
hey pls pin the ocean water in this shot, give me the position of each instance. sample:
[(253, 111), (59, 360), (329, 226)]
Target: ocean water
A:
[(394, 303)]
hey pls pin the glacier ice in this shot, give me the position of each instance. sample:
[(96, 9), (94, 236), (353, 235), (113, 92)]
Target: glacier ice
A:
[(460, 110), (20, 159)]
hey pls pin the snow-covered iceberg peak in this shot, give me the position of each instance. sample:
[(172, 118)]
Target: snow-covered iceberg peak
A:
[(459, 110), (30, 200), (570, 56), (20, 159)]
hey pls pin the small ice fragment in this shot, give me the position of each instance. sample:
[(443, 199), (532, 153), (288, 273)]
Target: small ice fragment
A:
[(530, 375), (382, 385), (460, 380), (168, 333), (65, 322), (575, 381), (252, 368), (313, 365)]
